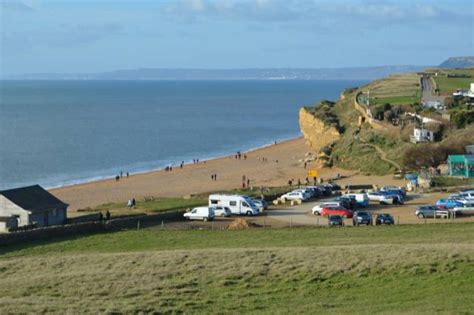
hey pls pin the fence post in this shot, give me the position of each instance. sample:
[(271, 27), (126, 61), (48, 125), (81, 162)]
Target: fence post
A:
[(162, 224), (317, 221), (291, 223), (264, 224), (138, 225), (398, 220)]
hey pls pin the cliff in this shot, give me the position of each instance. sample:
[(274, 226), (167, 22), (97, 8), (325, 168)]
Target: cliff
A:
[(316, 132)]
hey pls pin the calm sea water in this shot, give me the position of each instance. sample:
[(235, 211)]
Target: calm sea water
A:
[(63, 132)]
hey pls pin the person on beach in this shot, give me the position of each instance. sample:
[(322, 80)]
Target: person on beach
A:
[(101, 217), (117, 178), (129, 203), (212, 176), (215, 177), (299, 183), (121, 174), (128, 174), (290, 182), (248, 182), (107, 215), (245, 156), (305, 164), (134, 202)]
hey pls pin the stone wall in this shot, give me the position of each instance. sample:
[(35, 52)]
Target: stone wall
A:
[(315, 132), (48, 233)]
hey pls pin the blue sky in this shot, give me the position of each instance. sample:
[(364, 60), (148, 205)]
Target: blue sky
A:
[(93, 36)]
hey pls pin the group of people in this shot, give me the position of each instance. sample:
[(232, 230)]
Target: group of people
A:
[(131, 203), (107, 216), (195, 161), (245, 182), (118, 177), (214, 177), (238, 156), (263, 159), (169, 168)]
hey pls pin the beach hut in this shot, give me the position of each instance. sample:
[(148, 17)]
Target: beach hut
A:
[(32, 206), (461, 165)]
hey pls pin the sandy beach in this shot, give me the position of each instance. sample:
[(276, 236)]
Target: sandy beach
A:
[(282, 164)]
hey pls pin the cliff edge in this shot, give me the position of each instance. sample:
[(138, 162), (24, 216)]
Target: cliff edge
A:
[(317, 132)]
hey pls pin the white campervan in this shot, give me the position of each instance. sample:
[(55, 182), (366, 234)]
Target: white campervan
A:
[(236, 203)]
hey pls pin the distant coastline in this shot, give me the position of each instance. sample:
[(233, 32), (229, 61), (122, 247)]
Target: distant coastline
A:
[(348, 73)]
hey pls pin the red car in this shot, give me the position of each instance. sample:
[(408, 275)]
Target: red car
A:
[(337, 211)]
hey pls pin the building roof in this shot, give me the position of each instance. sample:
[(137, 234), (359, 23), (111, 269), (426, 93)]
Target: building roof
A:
[(461, 158), (33, 198)]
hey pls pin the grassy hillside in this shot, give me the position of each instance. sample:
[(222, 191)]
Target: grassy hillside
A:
[(449, 80), (396, 89), (416, 269)]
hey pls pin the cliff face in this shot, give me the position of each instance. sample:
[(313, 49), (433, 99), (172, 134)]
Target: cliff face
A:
[(316, 133)]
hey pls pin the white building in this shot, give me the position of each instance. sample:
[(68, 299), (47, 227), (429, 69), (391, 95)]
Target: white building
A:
[(422, 135)]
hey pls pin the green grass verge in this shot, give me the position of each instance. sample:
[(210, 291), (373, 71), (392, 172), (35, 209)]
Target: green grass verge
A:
[(415, 269), (451, 84), (394, 100), (444, 181)]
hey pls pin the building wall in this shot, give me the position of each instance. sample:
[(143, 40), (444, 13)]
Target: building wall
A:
[(49, 217), (8, 208)]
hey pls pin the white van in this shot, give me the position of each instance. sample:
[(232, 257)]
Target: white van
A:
[(362, 199), (237, 204), (200, 213)]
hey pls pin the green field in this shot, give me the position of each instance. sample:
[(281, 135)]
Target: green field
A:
[(394, 100), (449, 84), (415, 269)]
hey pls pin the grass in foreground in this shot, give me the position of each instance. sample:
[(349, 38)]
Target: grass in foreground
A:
[(417, 269)]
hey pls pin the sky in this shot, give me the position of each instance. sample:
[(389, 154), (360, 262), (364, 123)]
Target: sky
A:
[(94, 36)]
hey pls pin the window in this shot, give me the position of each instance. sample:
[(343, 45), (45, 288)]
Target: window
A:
[(214, 202), (244, 204), (233, 203)]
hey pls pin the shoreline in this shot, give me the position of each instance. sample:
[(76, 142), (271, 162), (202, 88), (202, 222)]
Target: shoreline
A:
[(284, 162), (98, 178)]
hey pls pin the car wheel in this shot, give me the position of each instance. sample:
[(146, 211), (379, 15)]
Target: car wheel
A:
[(222, 214), (249, 213), (204, 219), (421, 215)]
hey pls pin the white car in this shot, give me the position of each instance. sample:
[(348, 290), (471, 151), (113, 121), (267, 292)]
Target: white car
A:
[(200, 213), (295, 195), (318, 208), (220, 211)]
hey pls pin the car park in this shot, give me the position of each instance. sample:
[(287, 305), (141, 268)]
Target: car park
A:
[(220, 211), (384, 218), (319, 207), (328, 211), (200, 213), (429, 211), (335, 220), (361, 217)]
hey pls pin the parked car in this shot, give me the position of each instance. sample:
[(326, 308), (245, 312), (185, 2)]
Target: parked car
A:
[(361, 199), (335, 220), (260, 203), (398, 189), (428, 211), (313, 191), (200, 213), (448, 203), (220, 211), (296, 194), (384, 218), (319, 207), (333, 186), (351, 202), (328, 211), (361, 217), (386, 197), (466, 208)]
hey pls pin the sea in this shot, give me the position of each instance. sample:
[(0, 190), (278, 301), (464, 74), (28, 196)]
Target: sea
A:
[(57, 133)]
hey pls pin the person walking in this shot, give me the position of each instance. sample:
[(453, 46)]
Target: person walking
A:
[(107, 215)]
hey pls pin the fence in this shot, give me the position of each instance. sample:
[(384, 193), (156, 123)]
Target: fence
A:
[(84, 228)]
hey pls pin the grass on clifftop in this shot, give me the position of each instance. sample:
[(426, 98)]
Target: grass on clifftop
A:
[(414, 269)]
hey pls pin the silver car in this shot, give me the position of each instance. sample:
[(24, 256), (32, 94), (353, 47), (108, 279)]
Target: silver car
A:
[(428, 211)]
